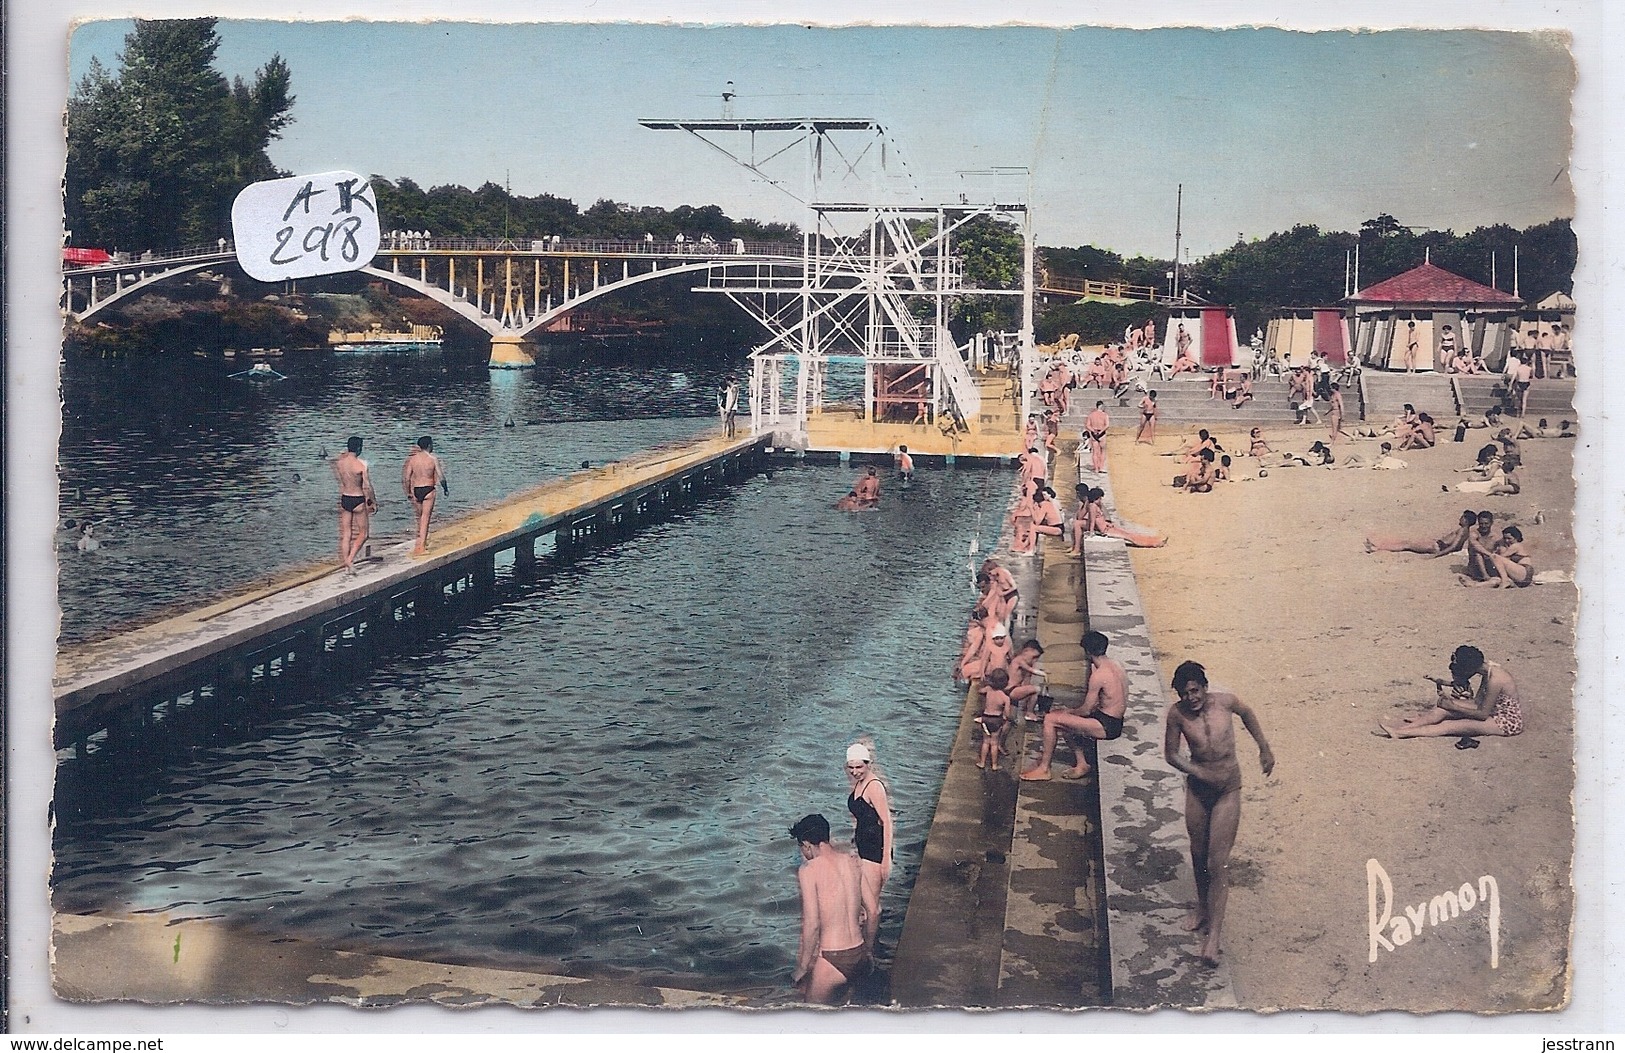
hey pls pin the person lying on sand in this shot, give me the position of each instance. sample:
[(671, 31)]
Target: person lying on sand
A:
[(1452, 541), (1092, 519), (1495, 480), (1492, 710), (1319, 454)]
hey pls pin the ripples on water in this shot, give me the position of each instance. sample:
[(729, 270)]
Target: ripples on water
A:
[(595, 775), (199, 484)]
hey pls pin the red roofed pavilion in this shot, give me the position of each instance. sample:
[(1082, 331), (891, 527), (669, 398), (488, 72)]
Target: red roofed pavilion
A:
[(1418, 319), (1432, 286)]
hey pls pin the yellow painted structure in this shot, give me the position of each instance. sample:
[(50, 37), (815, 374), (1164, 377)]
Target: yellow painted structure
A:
[(996, 431), (512, 352)]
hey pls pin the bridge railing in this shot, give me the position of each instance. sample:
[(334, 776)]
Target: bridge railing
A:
[(1088, 287), (127, 260), (397, 242)]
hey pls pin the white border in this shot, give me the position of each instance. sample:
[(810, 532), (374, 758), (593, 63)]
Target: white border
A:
[(36, 44)]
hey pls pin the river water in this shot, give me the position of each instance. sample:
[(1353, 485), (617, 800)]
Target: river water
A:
[(597, 774)]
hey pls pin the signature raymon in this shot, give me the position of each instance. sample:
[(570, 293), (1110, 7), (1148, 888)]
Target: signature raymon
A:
[(1387, 931)]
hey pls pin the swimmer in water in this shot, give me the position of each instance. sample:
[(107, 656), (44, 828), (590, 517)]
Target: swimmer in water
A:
[(867, 488), (832, 952), (871, 833), (87, 539)]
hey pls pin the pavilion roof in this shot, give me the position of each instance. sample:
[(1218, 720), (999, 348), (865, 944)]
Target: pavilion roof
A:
[(1432, 285)]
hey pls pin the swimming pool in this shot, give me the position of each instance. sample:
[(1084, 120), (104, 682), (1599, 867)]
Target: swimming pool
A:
[(596, 775)]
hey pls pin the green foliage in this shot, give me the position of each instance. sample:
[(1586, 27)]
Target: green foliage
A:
[(990, 250), (1085, 261), (493, 212), (158, 151), (1304, 267), (1095, 322)]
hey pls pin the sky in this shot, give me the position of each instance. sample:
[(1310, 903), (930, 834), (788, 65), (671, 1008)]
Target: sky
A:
[(1265, 128)]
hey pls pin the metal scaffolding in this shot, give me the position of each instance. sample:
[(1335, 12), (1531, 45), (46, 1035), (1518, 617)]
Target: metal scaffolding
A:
[(878, 276)]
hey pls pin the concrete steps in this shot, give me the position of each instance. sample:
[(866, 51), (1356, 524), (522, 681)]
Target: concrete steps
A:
[(1387, 393), (1553, 399), (1007, 908), (1184, 400)]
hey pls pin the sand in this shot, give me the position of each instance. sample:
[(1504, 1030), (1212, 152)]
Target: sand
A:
[(1267, 583)]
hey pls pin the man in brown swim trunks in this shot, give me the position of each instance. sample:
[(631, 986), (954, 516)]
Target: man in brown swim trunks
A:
[(1212, 789), (356, 501), (832, 952), (419, 476)]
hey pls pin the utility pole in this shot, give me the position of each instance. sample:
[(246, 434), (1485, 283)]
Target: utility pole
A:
[(1179, 210)]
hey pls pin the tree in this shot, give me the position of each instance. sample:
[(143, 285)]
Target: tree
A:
[(158, 151)]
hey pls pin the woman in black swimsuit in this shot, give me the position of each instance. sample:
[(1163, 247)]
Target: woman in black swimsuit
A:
[(871, 832)]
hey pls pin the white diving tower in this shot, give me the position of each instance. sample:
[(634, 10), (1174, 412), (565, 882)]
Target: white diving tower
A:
[(878, 278)]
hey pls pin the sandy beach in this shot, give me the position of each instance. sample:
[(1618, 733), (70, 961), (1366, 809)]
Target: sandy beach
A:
[(1266, 582)]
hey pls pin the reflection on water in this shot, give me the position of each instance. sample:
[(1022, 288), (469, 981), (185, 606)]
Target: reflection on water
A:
[(597, 774), (198, 484)]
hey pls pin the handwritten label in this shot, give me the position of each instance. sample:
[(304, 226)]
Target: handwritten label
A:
[(305, 225), (1386, 931)]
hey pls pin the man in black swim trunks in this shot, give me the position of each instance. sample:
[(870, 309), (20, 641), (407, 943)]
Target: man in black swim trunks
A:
[(1212, 789), (419, 476), (356, 501), (832, 951), (1099, 716)]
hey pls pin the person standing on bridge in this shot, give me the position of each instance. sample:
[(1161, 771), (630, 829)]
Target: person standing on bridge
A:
[(419, 476), (357, 502)]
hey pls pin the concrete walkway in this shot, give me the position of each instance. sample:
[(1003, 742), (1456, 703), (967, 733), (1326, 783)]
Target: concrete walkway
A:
[(150, 958), (86, 672), (1006, 909), (1062, 894), (1149, 887)]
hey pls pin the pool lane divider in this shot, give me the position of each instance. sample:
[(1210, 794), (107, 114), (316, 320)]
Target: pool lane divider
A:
[(1054, 952), (298, 633), (1007, 909), (953, 932)]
